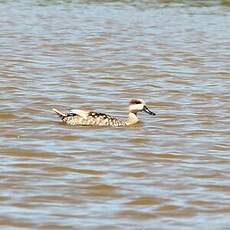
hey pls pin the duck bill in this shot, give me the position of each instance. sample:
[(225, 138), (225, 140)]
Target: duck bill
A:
[(146, 109)]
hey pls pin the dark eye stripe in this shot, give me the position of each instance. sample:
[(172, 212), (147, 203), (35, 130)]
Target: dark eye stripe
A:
[(135, 102)]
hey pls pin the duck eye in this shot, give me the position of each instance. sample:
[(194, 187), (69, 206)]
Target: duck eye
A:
[(135, 102)]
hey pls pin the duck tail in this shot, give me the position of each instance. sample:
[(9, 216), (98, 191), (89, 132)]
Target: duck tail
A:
[(60, 114)]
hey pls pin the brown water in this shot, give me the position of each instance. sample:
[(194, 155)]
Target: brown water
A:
[(169, 172)]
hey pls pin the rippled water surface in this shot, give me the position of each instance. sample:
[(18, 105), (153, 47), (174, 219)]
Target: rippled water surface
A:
[(170, 171)]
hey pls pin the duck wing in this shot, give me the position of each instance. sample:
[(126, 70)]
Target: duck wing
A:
[(81, 113)]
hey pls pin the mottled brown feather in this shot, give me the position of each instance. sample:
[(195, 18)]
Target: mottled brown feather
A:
[(91, 118)]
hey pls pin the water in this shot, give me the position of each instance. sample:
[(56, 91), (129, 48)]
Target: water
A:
[(168, 172)]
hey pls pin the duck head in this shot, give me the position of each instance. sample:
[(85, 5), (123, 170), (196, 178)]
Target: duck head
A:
[(137, 105)]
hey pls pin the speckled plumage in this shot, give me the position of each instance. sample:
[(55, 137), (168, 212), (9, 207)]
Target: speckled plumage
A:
[(91, 118)]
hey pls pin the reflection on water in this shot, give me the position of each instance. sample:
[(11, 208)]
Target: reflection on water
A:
[(171, 170)]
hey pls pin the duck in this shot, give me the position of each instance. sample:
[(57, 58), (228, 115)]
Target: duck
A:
[(80, 117)]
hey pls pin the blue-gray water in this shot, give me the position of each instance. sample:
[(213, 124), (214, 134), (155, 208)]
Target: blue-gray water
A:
[(170, 171)]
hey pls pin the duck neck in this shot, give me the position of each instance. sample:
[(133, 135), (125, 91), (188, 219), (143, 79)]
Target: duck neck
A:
[(132, 118)]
